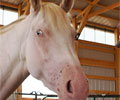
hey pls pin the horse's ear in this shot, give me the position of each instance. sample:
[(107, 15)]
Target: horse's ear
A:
[(35, 5), (67, 5)]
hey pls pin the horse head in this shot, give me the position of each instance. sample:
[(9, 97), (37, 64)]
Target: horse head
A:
[(50, 51)]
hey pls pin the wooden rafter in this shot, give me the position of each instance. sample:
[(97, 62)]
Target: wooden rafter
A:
[(74, 22), (105, 9), (8, 5), (77, 10), (101, 5), (101, 26), (85, 17)]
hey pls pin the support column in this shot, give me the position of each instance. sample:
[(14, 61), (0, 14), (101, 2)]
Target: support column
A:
[(118, 71), (19, 90), (116, 36), (74, 22)]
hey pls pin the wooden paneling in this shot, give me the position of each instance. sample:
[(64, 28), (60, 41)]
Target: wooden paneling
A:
[(102, 63), (102, 92), (96, 44), (77, 47), (97, 63), (97, 49), (101, 77)]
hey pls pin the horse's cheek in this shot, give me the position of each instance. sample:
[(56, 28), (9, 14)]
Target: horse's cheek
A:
[(33, 61)]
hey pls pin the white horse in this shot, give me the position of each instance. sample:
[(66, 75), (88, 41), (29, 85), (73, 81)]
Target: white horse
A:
[(42, 44)]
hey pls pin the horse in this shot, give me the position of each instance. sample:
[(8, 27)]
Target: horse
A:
[(42, 44)]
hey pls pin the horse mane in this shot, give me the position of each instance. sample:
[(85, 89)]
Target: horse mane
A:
[(6, 28)]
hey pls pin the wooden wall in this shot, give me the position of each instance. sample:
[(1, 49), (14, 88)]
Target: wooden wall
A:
[(101, 63)]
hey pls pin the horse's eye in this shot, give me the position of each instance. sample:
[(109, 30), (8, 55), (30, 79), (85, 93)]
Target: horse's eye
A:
[(39, 32)]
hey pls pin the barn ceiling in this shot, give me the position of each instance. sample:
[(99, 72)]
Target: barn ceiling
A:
[(93, 12)]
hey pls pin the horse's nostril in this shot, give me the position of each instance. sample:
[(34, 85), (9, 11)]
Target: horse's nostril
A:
[(69, 87)]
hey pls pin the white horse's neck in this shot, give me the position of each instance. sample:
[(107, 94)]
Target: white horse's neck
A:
[(13, 70)]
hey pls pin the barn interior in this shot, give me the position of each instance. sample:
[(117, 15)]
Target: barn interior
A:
[(98, 22)]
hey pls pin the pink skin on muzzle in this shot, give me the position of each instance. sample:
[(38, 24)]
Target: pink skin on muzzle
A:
[(73, 84)]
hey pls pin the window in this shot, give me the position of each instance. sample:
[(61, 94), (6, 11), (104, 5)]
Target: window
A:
[(110, 38), (100, 36), (97, 35), (1, 16), (89, 34), (7, 16)]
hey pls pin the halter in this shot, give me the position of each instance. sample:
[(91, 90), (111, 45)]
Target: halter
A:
[(77, 36)]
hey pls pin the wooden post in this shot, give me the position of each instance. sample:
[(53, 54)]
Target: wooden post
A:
[(77, 47), (117, 71), (27, 8), (74, 23), (19, 10), (116, 35), (19, 90)]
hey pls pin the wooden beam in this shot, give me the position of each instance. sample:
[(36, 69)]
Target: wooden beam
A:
[(85, 10), (105, 50), (116, 35), (77, 10), (101, 77), (74, 22), (97, 63), (1, 25), (102, 92), (85, 17), (105, 9), (19, 90), (96, 44), (82, 13), (100, 26), (117, 60), (8, 5), (19, 10), (101, 5)]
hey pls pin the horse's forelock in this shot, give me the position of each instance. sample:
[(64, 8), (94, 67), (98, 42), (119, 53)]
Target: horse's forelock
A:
[(55, 16)]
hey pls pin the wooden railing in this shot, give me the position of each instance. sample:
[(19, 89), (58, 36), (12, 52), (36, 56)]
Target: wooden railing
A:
[(80, 44)]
